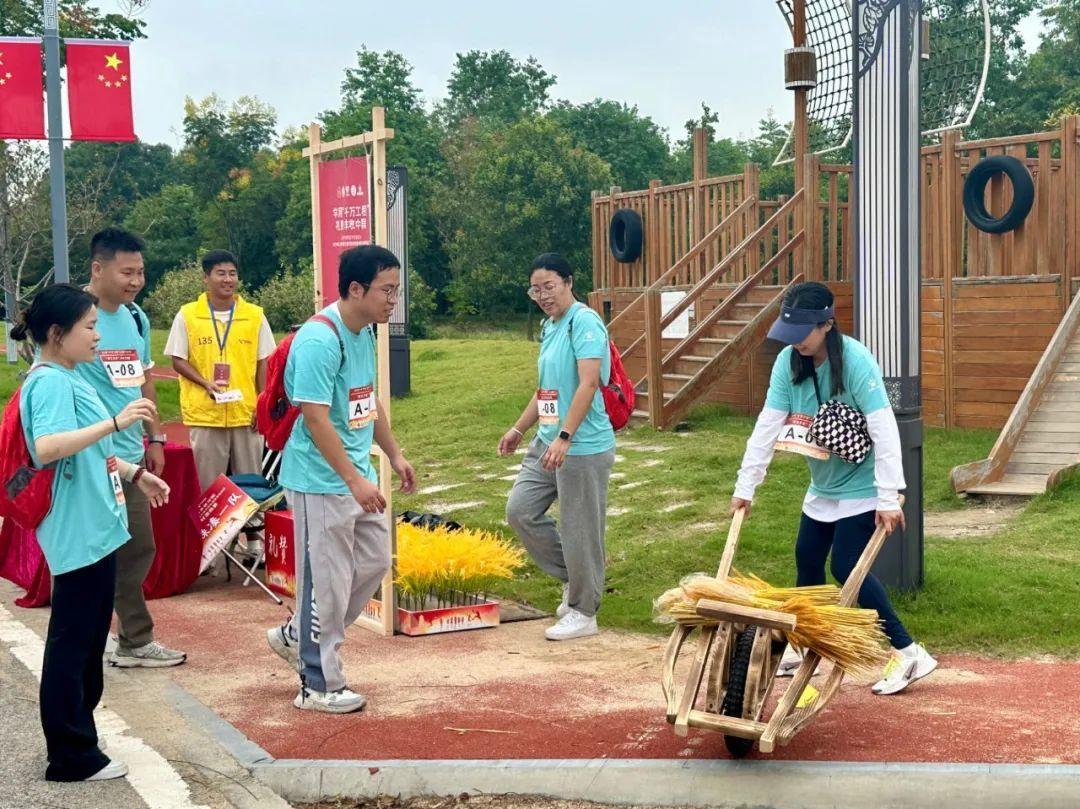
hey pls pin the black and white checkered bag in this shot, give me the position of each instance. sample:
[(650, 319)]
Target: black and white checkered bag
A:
[(840, 429)]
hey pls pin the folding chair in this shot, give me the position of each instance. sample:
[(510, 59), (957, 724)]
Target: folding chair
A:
[(268, 493)]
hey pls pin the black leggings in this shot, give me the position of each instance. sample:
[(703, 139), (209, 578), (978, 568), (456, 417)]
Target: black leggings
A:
[(847, 538), (71, 673)]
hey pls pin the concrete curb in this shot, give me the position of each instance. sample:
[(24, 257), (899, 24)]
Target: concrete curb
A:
[(755, 784)]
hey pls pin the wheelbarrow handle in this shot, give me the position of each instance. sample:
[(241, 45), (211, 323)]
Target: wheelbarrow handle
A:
[(732, 543), (850, 591)]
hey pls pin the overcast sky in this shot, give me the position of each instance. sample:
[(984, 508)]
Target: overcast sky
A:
[(664, 57)]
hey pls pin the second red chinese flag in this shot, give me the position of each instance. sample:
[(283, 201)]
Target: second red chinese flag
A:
[(99, 90)]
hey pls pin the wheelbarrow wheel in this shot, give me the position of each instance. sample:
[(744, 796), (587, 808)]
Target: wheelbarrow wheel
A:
[(735, 695)]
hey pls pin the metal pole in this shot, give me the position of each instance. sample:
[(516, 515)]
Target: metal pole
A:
[(886, 230), (57, 189)]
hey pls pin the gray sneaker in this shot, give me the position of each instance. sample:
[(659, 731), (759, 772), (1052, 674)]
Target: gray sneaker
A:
[(341, 701), (151, 656), (286, 648)]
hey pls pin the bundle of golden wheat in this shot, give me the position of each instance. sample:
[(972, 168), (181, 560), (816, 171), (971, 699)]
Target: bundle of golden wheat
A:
[(850, 637), (438, 567)]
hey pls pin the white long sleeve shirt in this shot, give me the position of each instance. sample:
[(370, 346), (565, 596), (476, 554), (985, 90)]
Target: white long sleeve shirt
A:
[(888, 467)]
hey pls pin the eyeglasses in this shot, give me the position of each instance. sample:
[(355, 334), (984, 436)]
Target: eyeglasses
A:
[(534, 292), (392, 293)]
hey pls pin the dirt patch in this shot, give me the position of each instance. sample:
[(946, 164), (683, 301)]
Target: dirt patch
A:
[(969, 522), (462, 801)]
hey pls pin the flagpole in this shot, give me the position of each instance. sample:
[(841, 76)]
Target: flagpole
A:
[(57, 188)]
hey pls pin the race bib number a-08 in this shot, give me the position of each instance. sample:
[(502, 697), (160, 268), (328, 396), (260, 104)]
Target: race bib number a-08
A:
[(124, 367), (547, 403), (362, 407), (793, 438)]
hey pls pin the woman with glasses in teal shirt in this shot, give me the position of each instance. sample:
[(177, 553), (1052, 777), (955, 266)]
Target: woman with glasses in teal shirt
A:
[(570, 458), (67, 426)]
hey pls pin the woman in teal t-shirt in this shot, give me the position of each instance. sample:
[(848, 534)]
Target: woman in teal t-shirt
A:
[(846, 502), (571, 457), (67, 426)]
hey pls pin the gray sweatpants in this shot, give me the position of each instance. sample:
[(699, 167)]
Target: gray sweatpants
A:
[(573, 550), (342, 554)]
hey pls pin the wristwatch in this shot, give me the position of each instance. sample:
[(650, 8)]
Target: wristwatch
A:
[(157, 439), (565, 436)]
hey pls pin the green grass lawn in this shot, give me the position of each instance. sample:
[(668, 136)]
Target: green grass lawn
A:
[(1014, 593)]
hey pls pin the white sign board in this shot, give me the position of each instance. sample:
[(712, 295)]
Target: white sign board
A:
[(680, 326)]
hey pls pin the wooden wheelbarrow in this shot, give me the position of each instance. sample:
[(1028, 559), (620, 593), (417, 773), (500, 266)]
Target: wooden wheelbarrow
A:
[(738, 656)]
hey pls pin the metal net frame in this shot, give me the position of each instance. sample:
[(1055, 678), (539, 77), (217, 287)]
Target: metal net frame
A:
[(952, 80), (828, 105)]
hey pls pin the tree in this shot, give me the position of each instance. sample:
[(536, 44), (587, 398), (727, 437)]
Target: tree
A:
[(495, 88), (632, 144), (507, 196), (169, 222), (1004, 109), (243, 217), (25, 235), (385, 79), (220, 139)]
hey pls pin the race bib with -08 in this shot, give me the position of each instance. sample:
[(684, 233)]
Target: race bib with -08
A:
[(547, 404), (124, 367), (361, 407)]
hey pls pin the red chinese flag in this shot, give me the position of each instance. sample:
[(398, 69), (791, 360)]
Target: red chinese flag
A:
[(22, 105), (99, 90)]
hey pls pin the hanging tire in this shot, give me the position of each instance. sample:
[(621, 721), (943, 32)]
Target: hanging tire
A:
[(736, 689), (975, 194), (625, 235)]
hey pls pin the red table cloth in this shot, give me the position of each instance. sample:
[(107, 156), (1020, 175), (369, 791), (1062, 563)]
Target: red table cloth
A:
[(179, 548)]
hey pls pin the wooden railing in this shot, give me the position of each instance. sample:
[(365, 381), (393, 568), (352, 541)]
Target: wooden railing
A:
[(771, 245), (991, 469), (733, 223), (1044, 244), (674, 219)]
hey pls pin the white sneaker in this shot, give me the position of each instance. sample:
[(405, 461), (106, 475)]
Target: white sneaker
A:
[(572, 625), (790, 662), (114, 769), (904, 668), (564, 605), (340, 701), (286, 649)]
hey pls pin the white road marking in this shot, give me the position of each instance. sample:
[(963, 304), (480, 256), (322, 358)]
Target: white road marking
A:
[(150, 775)]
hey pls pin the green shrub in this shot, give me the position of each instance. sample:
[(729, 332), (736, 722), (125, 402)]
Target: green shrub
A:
[(288, 298), (421, 307), (176, 287)]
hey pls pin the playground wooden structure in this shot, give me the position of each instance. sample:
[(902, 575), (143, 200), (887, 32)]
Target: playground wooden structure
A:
[(737, 658), (992, 304)]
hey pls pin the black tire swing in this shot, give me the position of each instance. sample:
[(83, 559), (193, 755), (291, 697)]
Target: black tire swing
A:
[(625, 235), (975, 194)]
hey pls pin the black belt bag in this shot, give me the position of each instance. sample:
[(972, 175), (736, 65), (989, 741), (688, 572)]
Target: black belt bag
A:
[(841, 429)]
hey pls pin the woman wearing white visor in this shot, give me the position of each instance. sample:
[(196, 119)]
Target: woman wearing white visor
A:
[(846, 501)]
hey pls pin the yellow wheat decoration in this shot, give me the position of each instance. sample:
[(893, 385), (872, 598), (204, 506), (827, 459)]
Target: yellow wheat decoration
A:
[(849, 636), (437, 567)]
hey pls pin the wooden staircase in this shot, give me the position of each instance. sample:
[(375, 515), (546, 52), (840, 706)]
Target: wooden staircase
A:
[(1040, 442), (724, 337)]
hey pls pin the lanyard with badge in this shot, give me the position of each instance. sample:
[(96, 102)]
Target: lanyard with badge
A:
[(223, 370)]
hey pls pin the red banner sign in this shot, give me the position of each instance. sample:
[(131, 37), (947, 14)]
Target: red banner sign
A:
[(344, 215), (219, 515)]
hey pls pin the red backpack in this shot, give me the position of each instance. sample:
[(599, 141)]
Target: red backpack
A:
[(619, 394), (274, 413), (26, 496)]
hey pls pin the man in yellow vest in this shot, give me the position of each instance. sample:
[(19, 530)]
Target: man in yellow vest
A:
[(219, 345)]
